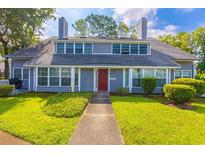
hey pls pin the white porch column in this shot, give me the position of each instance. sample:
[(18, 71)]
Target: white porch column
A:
[(95, 78), (79, 78), (72, 79), (167, 75), (35, 78), (130, 80), (108, 79)]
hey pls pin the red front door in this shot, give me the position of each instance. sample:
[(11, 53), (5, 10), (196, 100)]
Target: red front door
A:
[(102, 79)]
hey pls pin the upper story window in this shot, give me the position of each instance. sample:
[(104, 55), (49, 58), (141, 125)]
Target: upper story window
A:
[(60, 48), (116, 48), (69, 48), (134, 49), (125, 49), (79, 48), (88, 48), (143, 49)]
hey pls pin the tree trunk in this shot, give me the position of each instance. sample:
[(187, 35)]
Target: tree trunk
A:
[(6, 70)]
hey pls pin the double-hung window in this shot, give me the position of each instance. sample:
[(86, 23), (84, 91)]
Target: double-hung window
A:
[(54, 76), (134, 49), (183, 74), (17, 73), (136, 77), (88, 48), (25, 74), (143, 49), (60, 48), (116, 48), (149, 72), (65, 76), (69, 48), (125, 49), (42, 76), (161, 77), (79, 48), (187, 73)]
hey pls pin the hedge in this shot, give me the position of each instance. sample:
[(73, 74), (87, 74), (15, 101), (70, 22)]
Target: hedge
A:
[(197, 84), (6, 90), (179, 93), (148, 85)]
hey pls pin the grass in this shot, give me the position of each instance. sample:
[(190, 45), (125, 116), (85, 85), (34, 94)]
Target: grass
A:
[(147, 121), (64, 105), (23, 117)]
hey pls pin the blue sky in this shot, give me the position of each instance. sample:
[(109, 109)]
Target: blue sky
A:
[(160, 21)]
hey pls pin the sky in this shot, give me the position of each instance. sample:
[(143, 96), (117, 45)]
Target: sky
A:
[(160, 21)]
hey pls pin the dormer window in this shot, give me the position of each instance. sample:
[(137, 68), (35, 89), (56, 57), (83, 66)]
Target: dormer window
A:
[(125, 49), (116, 48), (79, 48), (143, 49), (69, 48), (88, 48), (134, 49), (60, 48)]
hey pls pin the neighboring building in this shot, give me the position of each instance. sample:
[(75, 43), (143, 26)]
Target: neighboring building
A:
[(68, 64)]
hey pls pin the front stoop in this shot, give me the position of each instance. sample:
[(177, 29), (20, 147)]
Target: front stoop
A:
[(98, 125)]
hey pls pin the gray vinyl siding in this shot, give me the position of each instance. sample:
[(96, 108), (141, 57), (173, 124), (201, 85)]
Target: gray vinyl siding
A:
[(100, 48), (19, 63), (86, 80), (116, 79), (53, 89)]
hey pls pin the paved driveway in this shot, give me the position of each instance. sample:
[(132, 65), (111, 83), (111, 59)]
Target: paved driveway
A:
[(98, 125)]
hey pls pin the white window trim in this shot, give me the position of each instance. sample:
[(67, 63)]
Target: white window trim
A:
[(155, 70), (59, 74), (22, 71)]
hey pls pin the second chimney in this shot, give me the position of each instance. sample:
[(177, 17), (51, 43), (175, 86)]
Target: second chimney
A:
[(62, 28), (142, 28)]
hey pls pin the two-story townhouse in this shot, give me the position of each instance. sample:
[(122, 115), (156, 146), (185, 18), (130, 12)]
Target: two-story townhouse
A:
[(69, 63)]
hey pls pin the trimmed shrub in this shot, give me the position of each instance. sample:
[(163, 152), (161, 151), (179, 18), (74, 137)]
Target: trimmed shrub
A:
[(179, 93), (122, 91), (148, 85), (197, 84), (200, 76), (6, 90)]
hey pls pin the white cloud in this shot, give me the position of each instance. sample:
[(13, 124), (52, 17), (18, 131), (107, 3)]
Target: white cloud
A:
[(130, 15), (169, 29)]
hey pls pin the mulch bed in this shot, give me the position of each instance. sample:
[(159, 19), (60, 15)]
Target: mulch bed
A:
[(186, 106)]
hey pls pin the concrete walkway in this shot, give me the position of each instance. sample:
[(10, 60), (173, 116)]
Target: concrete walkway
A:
[(98, 125), (7, 139)]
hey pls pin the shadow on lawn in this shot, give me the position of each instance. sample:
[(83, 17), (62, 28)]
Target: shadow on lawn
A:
[(7, 103)]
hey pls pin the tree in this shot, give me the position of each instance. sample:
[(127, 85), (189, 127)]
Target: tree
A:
[(133, 31), (81, 27), (20, 28), (96, 25), (123, 30), (181, 40), (199, 46)]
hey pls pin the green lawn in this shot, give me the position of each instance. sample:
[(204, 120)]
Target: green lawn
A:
[(23, 116), (146, 121)]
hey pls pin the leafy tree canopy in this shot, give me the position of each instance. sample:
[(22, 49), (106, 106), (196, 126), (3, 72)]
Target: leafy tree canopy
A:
[(21, 28)]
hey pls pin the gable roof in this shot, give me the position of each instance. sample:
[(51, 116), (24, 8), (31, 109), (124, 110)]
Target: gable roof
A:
[(162, 55)]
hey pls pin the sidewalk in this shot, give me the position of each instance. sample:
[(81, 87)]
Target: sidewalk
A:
[(98, 125), (7, 139)]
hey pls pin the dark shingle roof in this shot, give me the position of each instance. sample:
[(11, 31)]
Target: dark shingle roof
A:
[(162, 55), (156, 59)]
